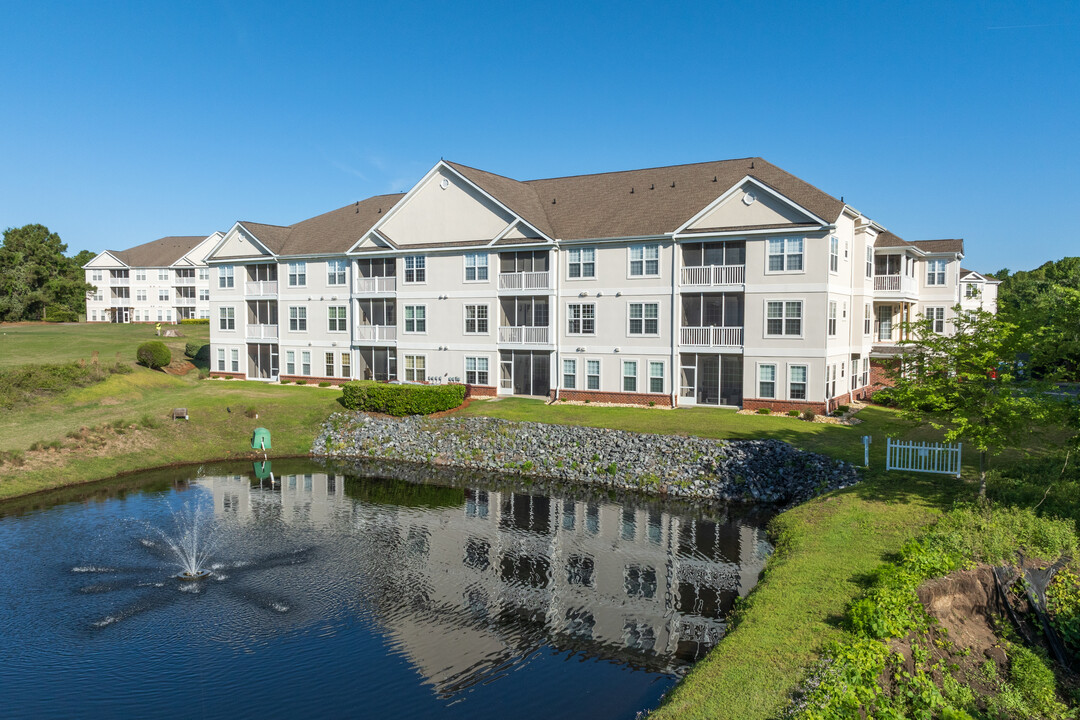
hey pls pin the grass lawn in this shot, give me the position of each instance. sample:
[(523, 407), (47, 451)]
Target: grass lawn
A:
[(31, 343)]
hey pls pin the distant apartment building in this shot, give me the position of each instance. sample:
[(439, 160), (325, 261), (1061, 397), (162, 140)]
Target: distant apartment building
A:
[(729, 283), (165, 280)]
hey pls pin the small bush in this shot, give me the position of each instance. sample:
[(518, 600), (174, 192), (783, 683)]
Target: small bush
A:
[(400, 400), (764, 411), (153, 354), (203, 373), (197, 350), (301, 382), (60, 313), (148, 421), (793, 413), (842, 408), (195, 321), (808, 415), (324, 384)]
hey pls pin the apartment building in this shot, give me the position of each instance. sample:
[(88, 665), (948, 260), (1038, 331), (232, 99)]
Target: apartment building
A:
[(165, 280), (729, 283)]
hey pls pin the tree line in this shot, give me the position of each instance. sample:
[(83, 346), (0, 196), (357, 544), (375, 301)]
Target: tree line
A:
[(1044, 304), (37, 279)]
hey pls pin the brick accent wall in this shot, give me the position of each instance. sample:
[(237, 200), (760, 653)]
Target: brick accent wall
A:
[(223, 374), (312, 380), (622, 398), (879, 377), (783, 406), (481, 391)]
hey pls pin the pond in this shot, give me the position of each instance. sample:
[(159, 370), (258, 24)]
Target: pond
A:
[(333, 592)]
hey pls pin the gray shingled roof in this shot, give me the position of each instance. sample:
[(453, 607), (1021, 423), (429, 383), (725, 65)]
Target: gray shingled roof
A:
[(329, 233), (159, 253), (936, 246)]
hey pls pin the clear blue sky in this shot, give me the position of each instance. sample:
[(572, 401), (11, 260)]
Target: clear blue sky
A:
[(124, 122)]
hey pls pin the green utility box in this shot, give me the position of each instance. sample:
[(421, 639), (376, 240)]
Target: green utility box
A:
[(262, 470), (260, 439)]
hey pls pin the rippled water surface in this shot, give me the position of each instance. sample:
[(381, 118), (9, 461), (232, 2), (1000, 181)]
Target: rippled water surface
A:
[(337, 595)]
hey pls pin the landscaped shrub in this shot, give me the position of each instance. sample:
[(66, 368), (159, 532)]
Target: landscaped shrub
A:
[(842, 408), (764, 411), (197, 350), (808, 415), (324, 384), (195, 321), (793, 413), (153, 354), (60, 313), (401, 400)]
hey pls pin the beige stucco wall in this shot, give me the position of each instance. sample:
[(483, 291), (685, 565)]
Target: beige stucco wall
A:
[(434, 214)]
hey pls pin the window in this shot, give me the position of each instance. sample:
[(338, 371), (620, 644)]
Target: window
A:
[(163, 295), (767, 381), (298, 319), (225, 276), (140, 274), (415, 269), (221, 359), (866, 319), (204, 273), (297, 274), (476, 319), (305, 362), (855, 373), (569, 373), (656, 376), (476, 370), (971, 290), (785, 255), (797, 382), (581, 319), (335, 272), (95, 275), (140, 295), (783, 317), (346, 365), (337, 318), (832, 318), (582, 263), (290, 362), (644, 260), (416, 318), (234, 359), (869, 261), (935, 272), (168, 316), (865, 372), (204, 294), (329, 364), (415, 367), (592, 374), (476, 267), (936, 316), (629, 376), (163, 275), (644, 318), (159, 315), (99, 295), (834, 254), (226, 318)]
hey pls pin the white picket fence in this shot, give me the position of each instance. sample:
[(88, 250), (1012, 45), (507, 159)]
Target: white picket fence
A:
[(926, 457)]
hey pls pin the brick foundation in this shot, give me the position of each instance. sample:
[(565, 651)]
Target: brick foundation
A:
[(312, 380), (621, 398), (879, 375), (481, 391), (223, 374), (783, 406)]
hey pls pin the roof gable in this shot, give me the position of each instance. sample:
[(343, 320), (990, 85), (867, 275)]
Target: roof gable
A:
[(105, 260), (159, 253), (242, 241), (751, 204)]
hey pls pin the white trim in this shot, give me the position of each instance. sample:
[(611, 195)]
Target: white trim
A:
[(465, 267), (806, 382), (465, 318), (623, 375), (88, 266), (757, 380), (403, 362), (642, 334), (599, 373), (738, 186), (662, 362), (250, 236), (783, 319), (465, 368), (404, 327), (629, 260)]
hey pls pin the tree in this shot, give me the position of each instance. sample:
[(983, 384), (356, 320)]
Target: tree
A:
[(34, 273), (1045, 303), (969, 384)]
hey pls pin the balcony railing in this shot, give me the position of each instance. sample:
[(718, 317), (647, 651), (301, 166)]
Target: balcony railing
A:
[(376, 285), (185, 301), (376, 333), (714, 275), (184, 280), (523, 335), (894, 283), (261, 332), (711, 336), (524, 281), (119, 281), (261, 287)]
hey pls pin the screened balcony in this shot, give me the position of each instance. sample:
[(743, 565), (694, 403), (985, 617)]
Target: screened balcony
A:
[(261, 279), (714, 263), (376, 321), (712, 320), (376, 275), (524, 321), (525, 270)]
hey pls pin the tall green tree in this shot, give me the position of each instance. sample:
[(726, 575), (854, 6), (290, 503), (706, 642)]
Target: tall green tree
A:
[(968, 384), (1045, 303), (35, 273)]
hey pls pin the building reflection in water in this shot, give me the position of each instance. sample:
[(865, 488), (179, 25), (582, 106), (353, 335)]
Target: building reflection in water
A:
[(468, 583)]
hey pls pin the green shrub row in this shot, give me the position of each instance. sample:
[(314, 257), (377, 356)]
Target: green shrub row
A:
[(153, 354), (401, 400), (195, 321)]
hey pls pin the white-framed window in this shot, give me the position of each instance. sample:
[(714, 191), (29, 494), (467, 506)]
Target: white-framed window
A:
[(328, 359), (204, 314), (581, 319), (581, 263), (971, 290), (225, 276), (159, 316), (99, 295), (234, 359), (335, 271), (855, 373), (140, 295), (226, 318), (476, 370), (785, 255), (592, 374), (416, 368), (204, 294), (476, 319), (346, 365), (221, 359), (305, 362), (298, 318), (766, 381), (95, 276), (834, 254), (168, 316), (163, 295), (867, 319), (865, 372), (163, 274), (644, 260), (415, 269), (476, 267), (644, 319), (140, 274), (93, 316), (629, 375), (783, 317), (832, 317), (298, 274), (337, 316), (416, 318), (936, 315), (797, 375), (569, 373), (204, 273), (290, 362), (869, 261), (656, 376), (935, 271)]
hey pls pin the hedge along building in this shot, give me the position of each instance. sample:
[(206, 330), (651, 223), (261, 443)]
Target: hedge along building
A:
[(729, 283), (166, 280)]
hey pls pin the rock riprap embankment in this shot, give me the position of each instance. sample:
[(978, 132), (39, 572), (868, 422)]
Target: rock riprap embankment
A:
[(743, 470)]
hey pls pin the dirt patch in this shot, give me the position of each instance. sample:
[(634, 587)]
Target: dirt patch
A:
[(178, 367), (104, 441), (966, 604)]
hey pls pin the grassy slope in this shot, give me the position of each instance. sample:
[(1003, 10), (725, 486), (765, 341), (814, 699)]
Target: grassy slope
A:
[(24, 343)]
